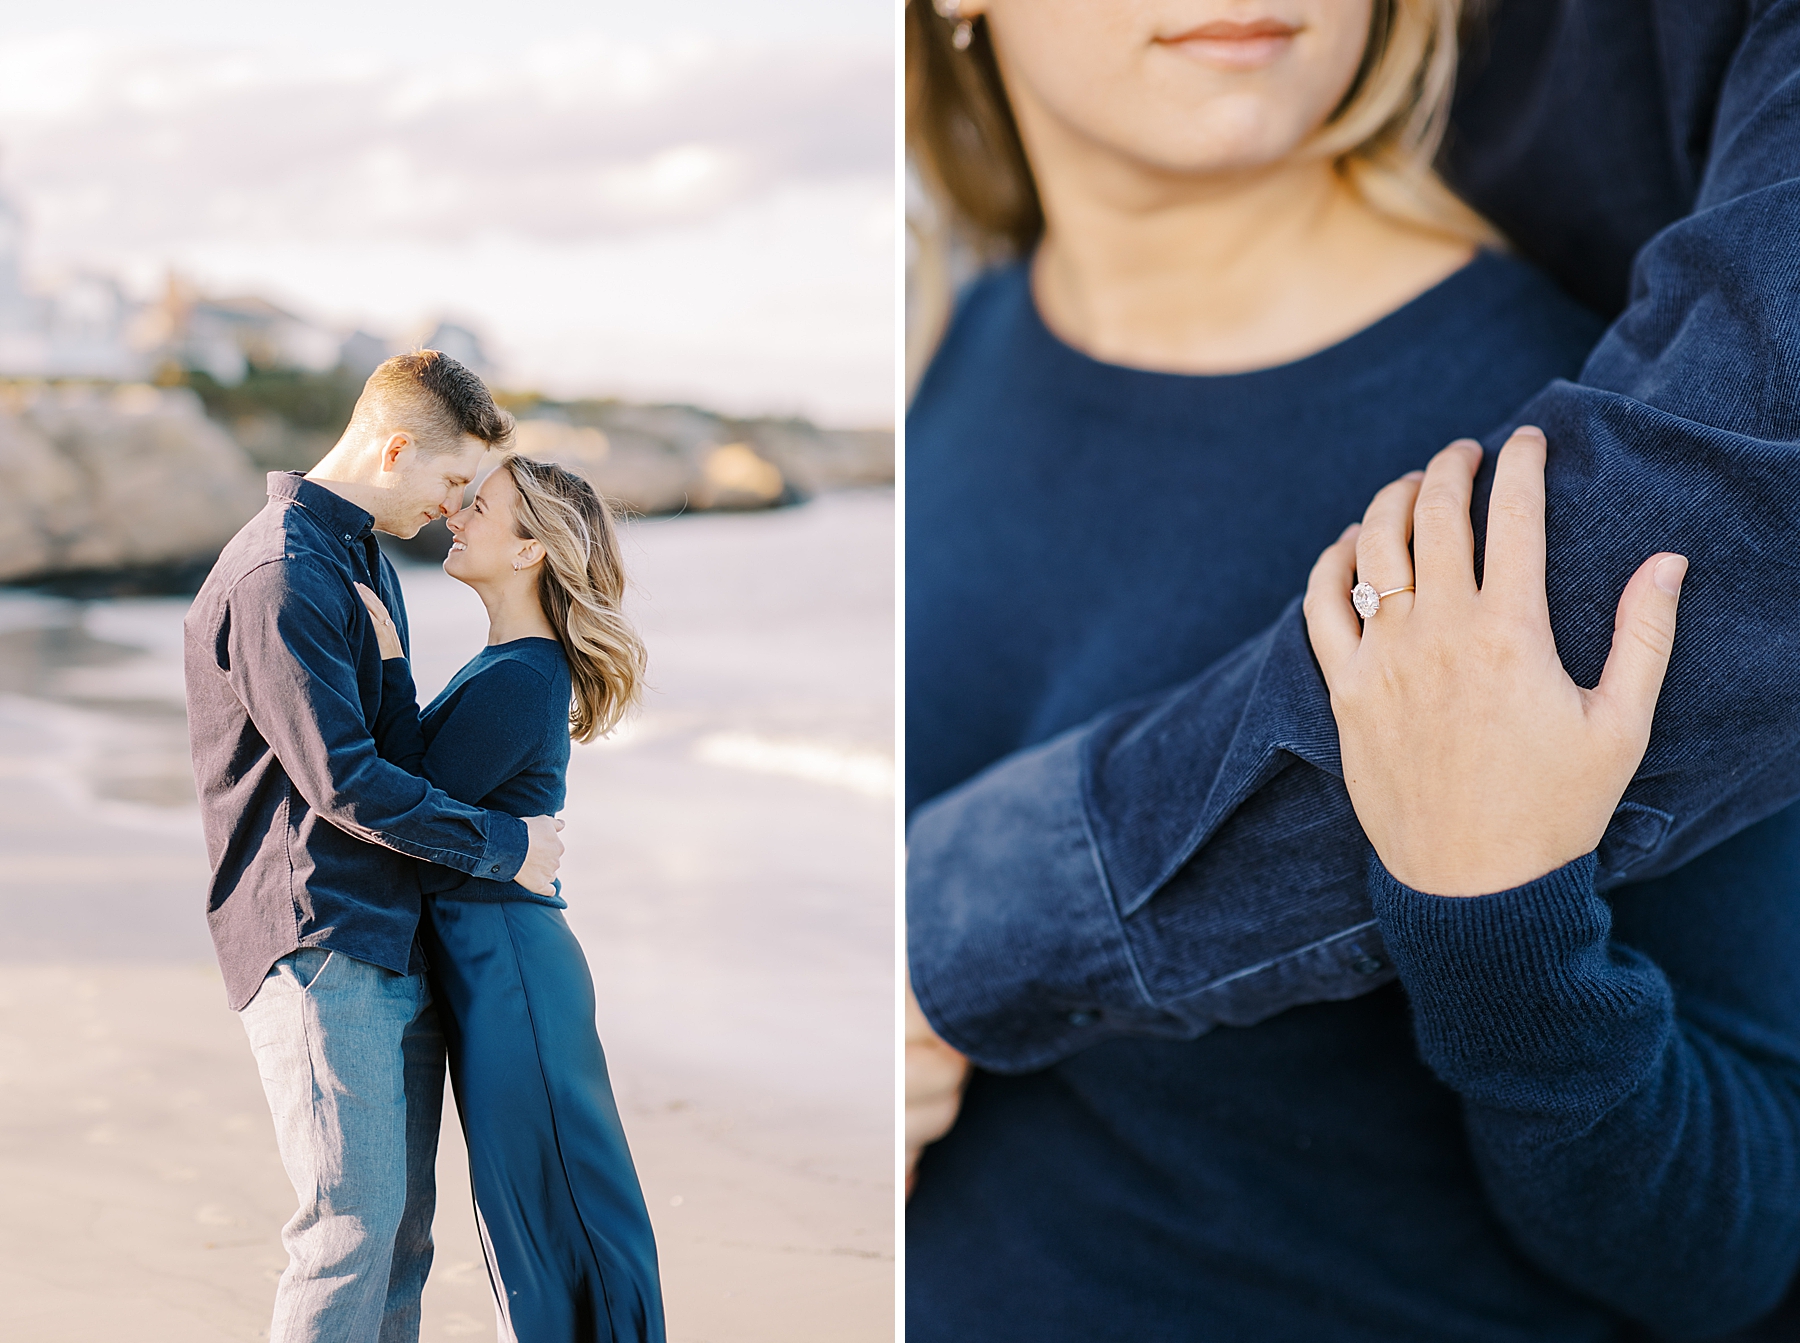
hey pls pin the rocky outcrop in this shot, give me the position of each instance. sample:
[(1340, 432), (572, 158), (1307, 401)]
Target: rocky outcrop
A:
[(671, 459), (114, 479), (814, 460), (642, 477), (133, 479), (659, 460)]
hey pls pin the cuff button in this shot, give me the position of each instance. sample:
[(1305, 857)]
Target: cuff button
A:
[(494, 868)]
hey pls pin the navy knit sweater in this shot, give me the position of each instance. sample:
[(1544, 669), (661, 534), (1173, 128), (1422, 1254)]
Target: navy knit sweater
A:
[(1572, 1119), (499, 731)]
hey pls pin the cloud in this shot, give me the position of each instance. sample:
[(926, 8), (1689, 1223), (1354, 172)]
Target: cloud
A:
[(710, 222), (122, 150)]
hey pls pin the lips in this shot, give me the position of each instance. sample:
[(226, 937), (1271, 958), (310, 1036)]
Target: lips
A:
[(1234, 46)]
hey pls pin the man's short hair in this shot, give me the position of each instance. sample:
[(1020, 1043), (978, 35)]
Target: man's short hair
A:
[(434, 398)]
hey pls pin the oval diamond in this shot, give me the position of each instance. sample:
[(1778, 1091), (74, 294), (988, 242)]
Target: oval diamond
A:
[(1365, 599)]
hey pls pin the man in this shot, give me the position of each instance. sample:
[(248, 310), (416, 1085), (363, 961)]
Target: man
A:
[(314, 902)]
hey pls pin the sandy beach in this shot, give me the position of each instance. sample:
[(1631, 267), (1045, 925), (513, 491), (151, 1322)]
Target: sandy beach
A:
[(729, 872)]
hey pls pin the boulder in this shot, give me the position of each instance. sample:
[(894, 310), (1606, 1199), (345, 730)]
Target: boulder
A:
[(660, 460), (657, 460), (101, 479), (815, 460), (734, 477)]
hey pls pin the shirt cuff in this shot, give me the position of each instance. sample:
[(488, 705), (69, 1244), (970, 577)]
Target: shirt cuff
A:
[(504, 853), (1015, 949)]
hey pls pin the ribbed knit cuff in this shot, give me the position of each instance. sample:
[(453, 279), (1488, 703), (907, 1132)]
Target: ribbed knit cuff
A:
[(1518, 999)]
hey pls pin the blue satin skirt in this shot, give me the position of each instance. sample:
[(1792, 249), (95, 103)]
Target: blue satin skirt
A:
[(568, 1239)]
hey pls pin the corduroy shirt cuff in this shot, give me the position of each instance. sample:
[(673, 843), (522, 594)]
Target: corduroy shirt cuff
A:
[(506, 848)]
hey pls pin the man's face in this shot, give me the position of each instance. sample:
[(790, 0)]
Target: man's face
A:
[(421, 487)]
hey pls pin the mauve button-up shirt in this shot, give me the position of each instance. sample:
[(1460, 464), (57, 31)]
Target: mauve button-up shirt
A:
[(309, 832)]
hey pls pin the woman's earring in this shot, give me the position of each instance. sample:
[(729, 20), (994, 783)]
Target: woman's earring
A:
[(965, 28)]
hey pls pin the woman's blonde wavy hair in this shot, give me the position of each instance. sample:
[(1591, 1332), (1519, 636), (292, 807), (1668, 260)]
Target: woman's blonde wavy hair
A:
[(960, 134), (582, 588)]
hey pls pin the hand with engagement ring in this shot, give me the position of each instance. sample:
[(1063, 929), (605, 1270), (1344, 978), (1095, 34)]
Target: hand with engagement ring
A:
[(1474, 762)]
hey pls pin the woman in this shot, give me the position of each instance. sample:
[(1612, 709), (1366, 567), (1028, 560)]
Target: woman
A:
[(569, 1245), (1245, 304)]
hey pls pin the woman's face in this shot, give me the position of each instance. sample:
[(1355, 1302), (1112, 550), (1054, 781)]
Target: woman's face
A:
[(1181, 86), (486, 546)]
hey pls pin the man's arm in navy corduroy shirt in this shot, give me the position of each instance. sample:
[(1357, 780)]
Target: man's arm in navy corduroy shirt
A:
[(289, 663), (1192, 859)]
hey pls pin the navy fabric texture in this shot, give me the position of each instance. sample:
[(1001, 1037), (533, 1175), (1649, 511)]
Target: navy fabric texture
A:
[(570, 1248), (504, 747), (1573, 1120), (308, 830), (1206, 865), (1081, 534)]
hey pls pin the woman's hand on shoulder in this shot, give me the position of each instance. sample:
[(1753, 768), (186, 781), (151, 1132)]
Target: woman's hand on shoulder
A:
[(385, 633), (1474, 762)]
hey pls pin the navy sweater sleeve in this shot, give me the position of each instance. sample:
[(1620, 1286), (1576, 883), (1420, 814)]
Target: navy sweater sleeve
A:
[(1086, 887), (1640, 1143), (289, 666), (399, 737)]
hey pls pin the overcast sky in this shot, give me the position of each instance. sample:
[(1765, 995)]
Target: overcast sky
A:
[(691, 199)]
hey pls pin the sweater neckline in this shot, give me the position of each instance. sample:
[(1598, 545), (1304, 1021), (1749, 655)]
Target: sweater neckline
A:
[(1350, 351)]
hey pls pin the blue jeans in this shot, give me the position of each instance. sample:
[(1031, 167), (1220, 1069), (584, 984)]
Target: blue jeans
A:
[(352, 1062)]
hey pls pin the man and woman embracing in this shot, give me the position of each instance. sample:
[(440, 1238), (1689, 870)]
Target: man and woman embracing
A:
[(356, 840)]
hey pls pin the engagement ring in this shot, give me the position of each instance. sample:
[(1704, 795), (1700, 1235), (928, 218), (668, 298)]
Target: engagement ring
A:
[(1367, 601)]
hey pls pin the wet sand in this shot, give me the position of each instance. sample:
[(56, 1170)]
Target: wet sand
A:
[(729, 873)]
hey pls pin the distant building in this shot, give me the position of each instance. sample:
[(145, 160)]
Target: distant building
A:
[(226, 337), (462, 345), (86, 326), (14, 307), (81, 329), (361, 353)]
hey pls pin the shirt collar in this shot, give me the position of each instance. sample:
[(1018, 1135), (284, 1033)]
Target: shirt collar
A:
[(338, 515)]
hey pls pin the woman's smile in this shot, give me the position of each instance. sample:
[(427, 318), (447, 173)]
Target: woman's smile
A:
[(1226, 45)]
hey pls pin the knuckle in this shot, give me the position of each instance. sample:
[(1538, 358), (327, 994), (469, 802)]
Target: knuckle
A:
[(1438, 504), (1653, 637), (1512, 507)]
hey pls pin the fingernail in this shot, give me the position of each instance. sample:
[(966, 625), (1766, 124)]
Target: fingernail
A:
[(1413, 475), (1532, 431), (1670, 572), (1350, 531)]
